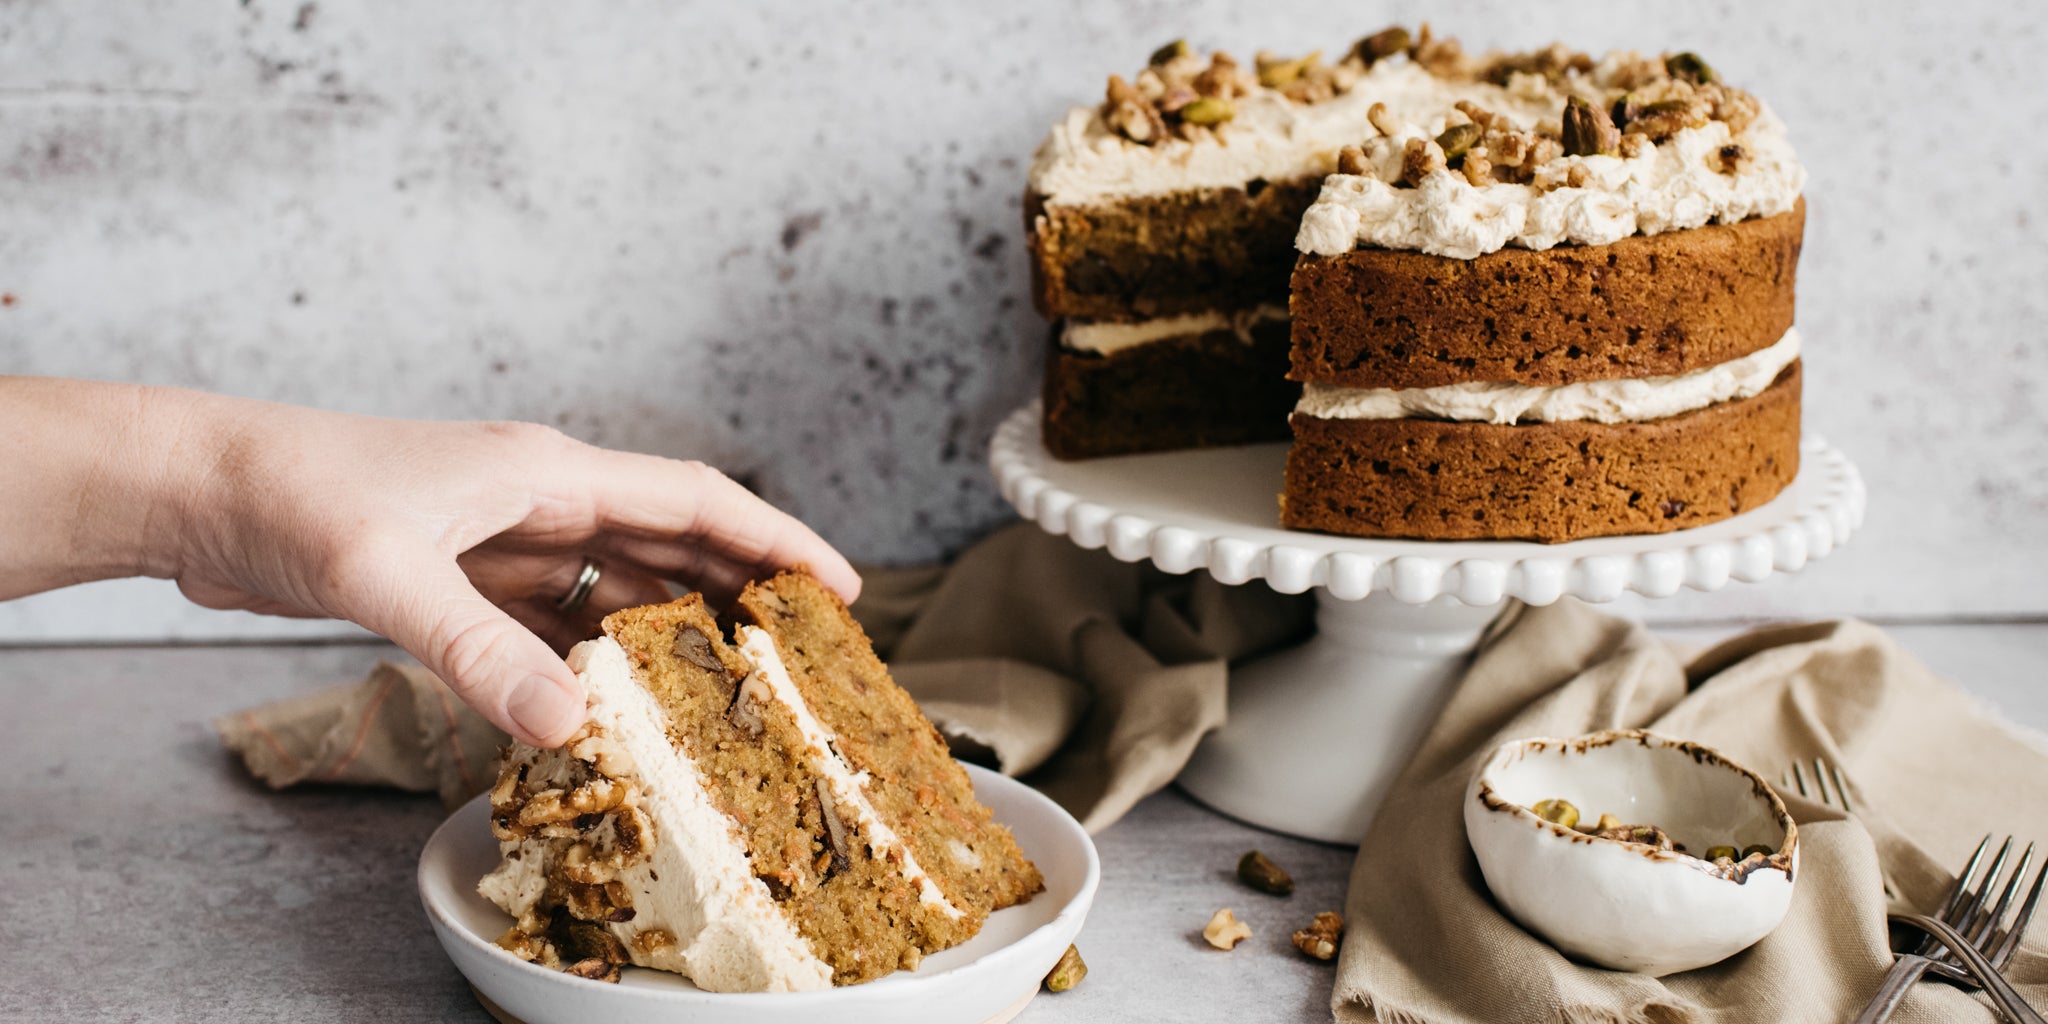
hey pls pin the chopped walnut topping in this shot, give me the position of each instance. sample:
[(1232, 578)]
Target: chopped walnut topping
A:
[(1382, 120), (1732, 156), (1478, 170), (1634, 144), (653, 941), (1131, 114), (1444, 58), (1321, 937), (1554, 64), (1224, 930), (1351, 160), (1417, 161)]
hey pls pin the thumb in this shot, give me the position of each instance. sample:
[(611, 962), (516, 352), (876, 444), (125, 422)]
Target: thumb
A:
[(496, 665)]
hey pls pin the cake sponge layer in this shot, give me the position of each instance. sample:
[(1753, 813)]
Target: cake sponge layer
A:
[(1551, 482), (1193, 391), (916, 787), (1654, 306), (1138, 257)]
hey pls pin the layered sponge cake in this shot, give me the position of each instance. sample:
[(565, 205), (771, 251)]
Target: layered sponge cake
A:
[(1527, 295), (765, 813), (1558, 309)]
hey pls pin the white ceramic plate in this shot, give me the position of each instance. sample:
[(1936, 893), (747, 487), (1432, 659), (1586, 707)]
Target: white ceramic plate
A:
[(987, 979)]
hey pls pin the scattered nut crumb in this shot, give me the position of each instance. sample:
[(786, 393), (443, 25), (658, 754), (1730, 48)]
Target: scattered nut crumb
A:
[(1321, 938), (1224, 930), (594, 969), (1067, 973), (1255, 869)]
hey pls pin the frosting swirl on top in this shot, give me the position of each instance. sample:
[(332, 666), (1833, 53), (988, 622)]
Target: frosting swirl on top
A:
[(1693, 170)]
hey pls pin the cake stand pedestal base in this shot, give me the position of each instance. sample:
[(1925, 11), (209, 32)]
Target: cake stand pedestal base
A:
[(1317, 732)]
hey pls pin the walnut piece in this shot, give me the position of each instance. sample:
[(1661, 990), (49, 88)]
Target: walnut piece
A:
[(594, 969), (1224, 931), (1321, 938), (694, 647)]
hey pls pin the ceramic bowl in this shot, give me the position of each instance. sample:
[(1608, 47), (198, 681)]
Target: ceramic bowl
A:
[(1623, 905)]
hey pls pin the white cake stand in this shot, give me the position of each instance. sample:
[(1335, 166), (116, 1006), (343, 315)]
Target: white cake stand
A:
[(1316, 732)]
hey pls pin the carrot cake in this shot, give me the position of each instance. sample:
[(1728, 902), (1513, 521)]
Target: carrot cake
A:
[(765, 812), (1545, 298)]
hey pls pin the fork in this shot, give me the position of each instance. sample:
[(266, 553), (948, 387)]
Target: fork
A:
[(1826, 784), (1967, 928)]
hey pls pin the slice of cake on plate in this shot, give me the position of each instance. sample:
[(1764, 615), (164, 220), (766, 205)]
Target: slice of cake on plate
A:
[(767, 814), (1549, 298)]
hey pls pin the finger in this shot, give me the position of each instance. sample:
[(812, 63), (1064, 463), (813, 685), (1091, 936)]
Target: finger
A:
[(695, 566), (616, 588), (689, 503), (496, 665)]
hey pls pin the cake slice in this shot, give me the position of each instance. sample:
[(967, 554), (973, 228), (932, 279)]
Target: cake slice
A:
[(771, 813)]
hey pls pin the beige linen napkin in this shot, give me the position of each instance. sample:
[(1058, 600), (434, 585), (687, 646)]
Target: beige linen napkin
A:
[(1932, 770), (1091, 678)]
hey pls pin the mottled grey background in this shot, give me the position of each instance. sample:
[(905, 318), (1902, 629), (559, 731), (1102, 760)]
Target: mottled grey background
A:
[(785, 237)]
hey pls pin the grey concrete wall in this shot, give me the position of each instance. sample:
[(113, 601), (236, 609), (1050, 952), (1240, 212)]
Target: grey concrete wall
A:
[(785, 237)]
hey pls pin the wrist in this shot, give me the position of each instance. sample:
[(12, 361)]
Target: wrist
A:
[(136, 506)]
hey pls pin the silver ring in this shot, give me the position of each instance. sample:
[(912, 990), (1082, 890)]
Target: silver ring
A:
[(579, 594)]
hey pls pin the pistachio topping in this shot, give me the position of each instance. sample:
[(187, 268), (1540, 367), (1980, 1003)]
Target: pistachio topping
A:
[(1691, 68), (1382, 44), (1456, 140), (1208, 111), (1177, 48), (1588, 131)]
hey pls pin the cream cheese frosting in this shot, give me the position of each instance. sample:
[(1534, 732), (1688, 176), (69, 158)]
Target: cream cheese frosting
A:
[(1632, 400), (1083, 159), (729, 934), (1668, 186), (848, 794), (1106, 337)]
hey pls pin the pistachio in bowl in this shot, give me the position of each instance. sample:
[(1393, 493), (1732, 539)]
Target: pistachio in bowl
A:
[(1651, 854)]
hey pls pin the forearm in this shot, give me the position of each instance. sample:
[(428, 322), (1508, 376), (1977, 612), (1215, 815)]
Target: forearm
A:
[(93, 479)]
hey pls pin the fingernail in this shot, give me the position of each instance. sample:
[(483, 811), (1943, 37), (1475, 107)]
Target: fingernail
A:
[(543, 708)]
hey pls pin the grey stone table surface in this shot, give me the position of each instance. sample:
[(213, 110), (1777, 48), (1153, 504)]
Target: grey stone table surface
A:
[(143, 877)]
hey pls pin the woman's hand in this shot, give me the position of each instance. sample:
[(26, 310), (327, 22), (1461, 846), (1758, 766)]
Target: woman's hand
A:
[(454, 540)]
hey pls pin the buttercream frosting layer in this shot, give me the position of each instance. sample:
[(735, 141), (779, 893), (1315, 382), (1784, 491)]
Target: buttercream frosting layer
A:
[(694, 887), (1629, 400), (1106, 337)]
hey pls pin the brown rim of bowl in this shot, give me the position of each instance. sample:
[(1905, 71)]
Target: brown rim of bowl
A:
[(1699, 752)]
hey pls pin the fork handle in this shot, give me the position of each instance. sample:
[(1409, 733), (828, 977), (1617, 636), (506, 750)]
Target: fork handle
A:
[(2001, 990), (1898, 981)]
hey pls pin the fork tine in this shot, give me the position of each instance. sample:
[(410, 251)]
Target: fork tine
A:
[(2011, 943), (1954, 899), (1798, 779), (1955, 892), (1820, 782), (1987, 928), (1841, 787), (1967, 915)]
